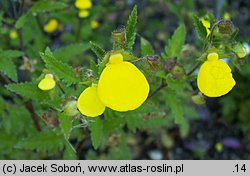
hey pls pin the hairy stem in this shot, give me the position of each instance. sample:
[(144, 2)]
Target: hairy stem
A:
[(194, 68), (161, 86), (30, 108)]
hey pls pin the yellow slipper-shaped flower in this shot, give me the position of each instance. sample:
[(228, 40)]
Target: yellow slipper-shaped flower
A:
[(122, 87), (83, 4), (51, 26), (47, 83), (89, 103), (215, 78)]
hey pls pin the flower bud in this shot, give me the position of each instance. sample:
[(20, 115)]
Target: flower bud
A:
[(240, 61), (70, 108), (240, 50), (178, 71), (153, 61), (225, 27), (198, 99), (169, 65), (119, 37)]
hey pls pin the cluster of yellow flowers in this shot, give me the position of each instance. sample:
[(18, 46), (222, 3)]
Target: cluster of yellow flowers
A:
[(84, 6), (121, 87)]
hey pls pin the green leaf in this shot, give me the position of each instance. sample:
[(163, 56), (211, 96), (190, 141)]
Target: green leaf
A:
[(11, 54), (131, 29), (47, 6), (201, 30), (100, 53), (7, 141), (122, 152), (69, 152), (22, 20), (175, 44), (184, 128), (65, 124), (146, 48), (43, 141), (96, 129), (28, 90), (175, 106), (8, 67), (68, 52), (62, 70), (147, 116), (176, 85)]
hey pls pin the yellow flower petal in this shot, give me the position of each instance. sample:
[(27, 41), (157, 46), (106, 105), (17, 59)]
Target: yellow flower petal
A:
[(13, 34), (207, 25), (83, 13), (51, 26), (47, 83), (122, 87), (215, 78), (83, 4), (89, 103), (94, 24)]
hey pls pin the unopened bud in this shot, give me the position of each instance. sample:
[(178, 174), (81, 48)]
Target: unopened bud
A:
[(198, 99), (153, 61), (240, 61), (169, 65), (240, 50), (70, 108), (178, 71), (119, 36), (225, 27)]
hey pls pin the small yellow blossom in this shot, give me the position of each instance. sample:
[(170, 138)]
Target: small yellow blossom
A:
[(207, 25), (226, 16), (215, 78), (13, 34), (94, 24), (83, 13), (83, 4), (47, 83), (218, 147), (51, 26), (122, 87), (89, 103)]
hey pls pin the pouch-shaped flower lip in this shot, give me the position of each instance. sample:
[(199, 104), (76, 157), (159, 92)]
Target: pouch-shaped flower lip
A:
[(83, 4), (89, 103), (47, 83), (122, 86), (51, 26), (215, 78)]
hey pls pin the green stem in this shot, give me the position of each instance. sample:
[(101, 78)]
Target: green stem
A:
[(194, 68), (78, 31), (162, 85)]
